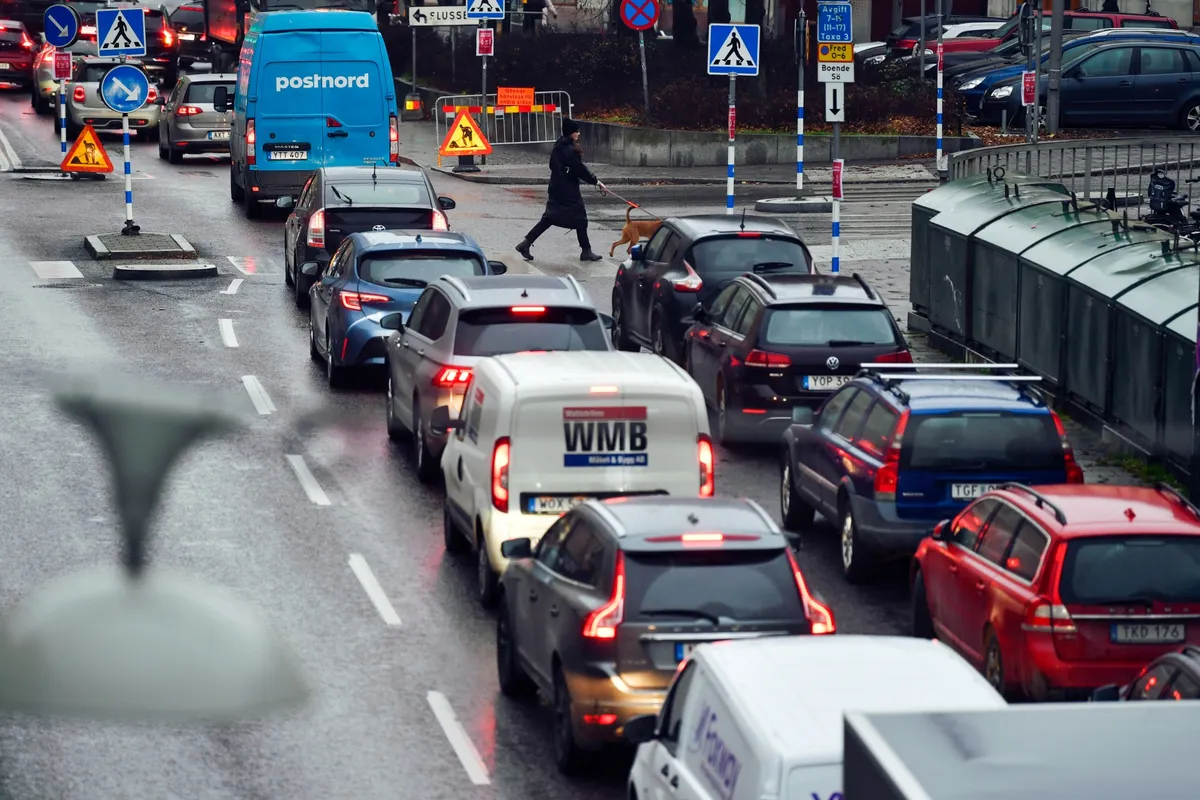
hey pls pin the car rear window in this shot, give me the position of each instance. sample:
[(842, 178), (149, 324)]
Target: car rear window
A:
[(203, 92), (10, 36), (801, 326), (732, 584), (154, 21), (494, 331), (1107, 570), (93, 73), (981, 440), (403, 268), (738, 254), (1145, 23), (381, 193), (190, 17)]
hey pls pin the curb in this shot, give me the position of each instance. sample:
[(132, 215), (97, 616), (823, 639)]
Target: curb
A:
[(162, 272), (792, 205), (504, 180), (97, 249)]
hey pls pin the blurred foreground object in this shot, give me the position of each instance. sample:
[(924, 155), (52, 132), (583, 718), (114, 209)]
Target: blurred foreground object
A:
[(125, 642)]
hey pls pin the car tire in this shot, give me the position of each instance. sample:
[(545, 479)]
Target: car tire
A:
[(236, 193), (162, 150), (299, 292), (722, 416), (661, 344), (313, 352), (395, 430), (427, 466), (486, 577), (857, 564), (513, 680), (452, 537), (620, 331), (922, 621), (252, 207), (993, 663), (797, 514), (567, 755), (174, 156), (289, 280), (1189, 117), (334, 374)]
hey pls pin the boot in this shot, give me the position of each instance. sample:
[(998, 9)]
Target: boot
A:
[(523, 249), (588, 255)]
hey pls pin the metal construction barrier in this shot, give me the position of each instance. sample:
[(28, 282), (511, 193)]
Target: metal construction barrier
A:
[(1091, 168), (538, 123)]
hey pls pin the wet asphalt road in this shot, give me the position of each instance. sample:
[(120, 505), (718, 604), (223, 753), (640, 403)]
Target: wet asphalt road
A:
[(236, 513)]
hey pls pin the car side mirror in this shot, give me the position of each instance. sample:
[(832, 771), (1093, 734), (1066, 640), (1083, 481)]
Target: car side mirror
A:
[(310, 269), (498, 267), (284, 202), (635, 252), (1107, 694), (517, 548), (221, 99), (802, 415), (440, 422), (608, 321), (447, 203), (640, 730), (941, 531), (392, 322)]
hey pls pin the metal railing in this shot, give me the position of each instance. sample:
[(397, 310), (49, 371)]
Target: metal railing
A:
[(538, 123), (1093, 167)]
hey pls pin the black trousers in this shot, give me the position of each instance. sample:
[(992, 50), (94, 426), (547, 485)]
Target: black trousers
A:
[(544, 225)]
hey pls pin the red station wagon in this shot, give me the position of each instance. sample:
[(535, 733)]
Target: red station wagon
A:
[(1072, 20), (1054, 591)]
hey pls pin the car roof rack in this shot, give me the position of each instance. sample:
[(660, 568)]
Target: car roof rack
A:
[(928, 365), (762, 284), (459, 285), (1167, 489), (863, 283), (1040, 500), (992, 378)]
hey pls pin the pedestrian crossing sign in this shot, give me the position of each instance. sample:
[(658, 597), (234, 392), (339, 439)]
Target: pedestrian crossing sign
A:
[(465, 138), (733, 49), (87, 154), (121, 31), (485, 9)]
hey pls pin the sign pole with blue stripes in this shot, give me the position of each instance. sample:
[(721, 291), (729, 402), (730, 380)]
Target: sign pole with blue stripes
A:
[(129, 229), (125, 89), (732, 50), (62, 117), (732, 148)]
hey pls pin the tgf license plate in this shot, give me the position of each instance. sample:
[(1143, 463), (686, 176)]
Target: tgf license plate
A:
[(288, 155), (825, 383), (553, 505), (1148, 633), (969, 491), (220, 135)]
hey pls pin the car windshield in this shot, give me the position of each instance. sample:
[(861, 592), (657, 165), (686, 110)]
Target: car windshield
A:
[(383, 193), (802, 326), (738, 254), (494, 331), (417, 268), (723, 584), (1106, 570), (981, 440), (203, 92), (189, 17)]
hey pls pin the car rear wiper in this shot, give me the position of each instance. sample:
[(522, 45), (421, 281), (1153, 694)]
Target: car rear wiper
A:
[(846, 343), (767, 266), (681, 612), (407, 282), (1132, 600), (341, 196)]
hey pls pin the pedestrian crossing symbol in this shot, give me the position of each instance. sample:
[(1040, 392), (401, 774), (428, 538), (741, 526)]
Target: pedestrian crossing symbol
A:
[(733, 49), (485, 9), (122, 31), (87, 154), (464, 138)]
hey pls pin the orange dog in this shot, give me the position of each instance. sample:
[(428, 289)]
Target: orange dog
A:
[(635, 230)]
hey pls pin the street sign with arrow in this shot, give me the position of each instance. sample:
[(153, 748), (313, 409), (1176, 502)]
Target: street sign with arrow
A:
[(835, 102), (438, 16)]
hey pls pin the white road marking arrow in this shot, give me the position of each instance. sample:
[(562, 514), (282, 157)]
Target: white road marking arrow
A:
[(130, 94), (62, 29)]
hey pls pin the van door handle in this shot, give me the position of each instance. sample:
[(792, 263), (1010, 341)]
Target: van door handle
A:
[(1125, 83), (404, 345), (723, 344), (460, 468), (337, 134)]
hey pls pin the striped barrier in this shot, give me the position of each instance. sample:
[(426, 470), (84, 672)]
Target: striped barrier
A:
[(537, 123)]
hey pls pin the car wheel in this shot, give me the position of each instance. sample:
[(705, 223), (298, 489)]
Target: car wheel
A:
[(313, 352), (567, 755), (513, 680), (1190, 117), (395, 430), (797, 514), (856, 561), (993, 662), (922, 622), (162, 150), (453, 539), (173, 155), (489, 581), (236, 193), (620, 331), (252, 207), (722, 416), (427, 465), (334, 375), (300, 290), (660, 342)]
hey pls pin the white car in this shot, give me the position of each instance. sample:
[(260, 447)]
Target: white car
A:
[(539, 433)]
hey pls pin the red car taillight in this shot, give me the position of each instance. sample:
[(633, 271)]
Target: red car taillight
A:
[(440, 223), (167, 35), (26, 42), (449, 377), (394, 140), (251, 153), (708, 466), (353, 301), (604, 621), (902, 357), (500, 460), (690, 283), (79, 95), (188, 111), (1074, 471), (1044, 616), (316, 229), (819, 615), (151, 95), (761, 358), (888, 475)]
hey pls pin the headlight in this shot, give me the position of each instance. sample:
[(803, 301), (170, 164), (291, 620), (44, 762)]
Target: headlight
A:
[(971, 84), (1002, 92)]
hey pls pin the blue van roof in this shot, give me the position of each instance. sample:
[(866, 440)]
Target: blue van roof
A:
[(319, 20)]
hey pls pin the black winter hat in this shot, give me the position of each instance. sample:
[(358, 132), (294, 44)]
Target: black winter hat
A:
[(569, 126)]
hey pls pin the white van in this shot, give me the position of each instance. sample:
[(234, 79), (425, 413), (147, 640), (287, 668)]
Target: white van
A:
[(539, 433), (762, 718)]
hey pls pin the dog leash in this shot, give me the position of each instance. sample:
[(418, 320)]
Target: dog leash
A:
[(605, 190)]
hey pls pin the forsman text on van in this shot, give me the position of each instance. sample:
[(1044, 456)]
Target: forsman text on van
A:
[(316, 80)]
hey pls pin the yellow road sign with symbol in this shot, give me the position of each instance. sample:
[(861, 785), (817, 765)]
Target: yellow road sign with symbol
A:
[(836, 53)]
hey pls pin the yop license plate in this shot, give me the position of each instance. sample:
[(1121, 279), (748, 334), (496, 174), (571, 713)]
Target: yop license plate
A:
[(1148, 633), (218, 134), (969, 491), (554, 505), (825, 383), (288, 155)]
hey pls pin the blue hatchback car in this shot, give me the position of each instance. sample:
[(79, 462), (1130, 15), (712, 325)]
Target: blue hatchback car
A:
[(374, 274), (903, 446)]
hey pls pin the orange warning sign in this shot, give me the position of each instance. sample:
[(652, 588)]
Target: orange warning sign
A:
[(464, 138), (87, 154)]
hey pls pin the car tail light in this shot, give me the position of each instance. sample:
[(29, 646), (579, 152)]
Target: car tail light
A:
[(1045, 616), (528, 309), (599, 719), (690, 283), (449, 377), (316, 229), (704, 538), (440, 223), (26, 42), (394, 140), (188, 111), (749, 235), (151, 95), (708, 464), (819, 616), (79, 95), (251, 151), (888, 475), (902, 357), (1074, 471), (761, 358), (501, 456), (167, 35), (603, 622), (353, 301)]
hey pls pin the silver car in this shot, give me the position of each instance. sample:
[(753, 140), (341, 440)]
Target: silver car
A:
[(86, 107), (44, 87), (189, 123)]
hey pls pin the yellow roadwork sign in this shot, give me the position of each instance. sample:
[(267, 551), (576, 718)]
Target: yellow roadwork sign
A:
[(465, 138)]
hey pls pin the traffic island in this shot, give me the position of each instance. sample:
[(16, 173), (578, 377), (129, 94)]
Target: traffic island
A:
[(107, 246), (818, 204), (163, 272)]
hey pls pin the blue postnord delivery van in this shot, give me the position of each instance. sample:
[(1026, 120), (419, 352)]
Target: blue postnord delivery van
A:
[(314, 90)]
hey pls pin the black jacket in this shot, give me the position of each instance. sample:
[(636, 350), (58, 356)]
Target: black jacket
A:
[(564, 206)]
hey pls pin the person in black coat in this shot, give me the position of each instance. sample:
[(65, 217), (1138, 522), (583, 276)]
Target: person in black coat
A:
[(564, 204)]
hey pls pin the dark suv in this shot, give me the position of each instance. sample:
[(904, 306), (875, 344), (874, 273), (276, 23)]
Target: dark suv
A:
[(770, 343), (689, 260), (619, 592), (187, 22), (1173, 676)]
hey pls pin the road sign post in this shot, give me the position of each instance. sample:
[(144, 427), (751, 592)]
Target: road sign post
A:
[(121, 31), (801, 48), (839, 167), (733, 50), (485, 41), (941, 155), (641, 15), (61, 26), (428, 17), (62, 74), (124, 89), (835, 57)]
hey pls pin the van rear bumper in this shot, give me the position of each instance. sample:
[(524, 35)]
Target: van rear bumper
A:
[(882, 531), (272, 184)]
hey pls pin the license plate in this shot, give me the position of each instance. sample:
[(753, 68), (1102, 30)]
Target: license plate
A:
[(188, 37), (218, 134), (683, 650), (825, 383), (554, 505), (969, 491), (1148, 633), (5, 65), (287, 155)]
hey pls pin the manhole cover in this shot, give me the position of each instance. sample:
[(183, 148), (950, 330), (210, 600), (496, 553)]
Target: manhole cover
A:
[(200, 174), (116, 243)]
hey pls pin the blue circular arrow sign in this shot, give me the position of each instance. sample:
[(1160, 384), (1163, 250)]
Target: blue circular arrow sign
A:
[(124, 88), (61, 24), (639, 14)]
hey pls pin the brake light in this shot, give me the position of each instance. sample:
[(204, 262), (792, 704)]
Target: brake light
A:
[(599, 719), (251, 152), (188, 111), (450, 377), (1043, 616), (79, 95), (316, 229), (602, 623), (902, 357), (528, 309), (354, 300), (749, 235), (691, 283), (760, 358), (1074, 471), (440, 223), (151, 95), (168, 36), (819, 616), (888, 475), (26, 42), (604, 389), (394, 140), (708, 463), (500, 461), (704, 538)]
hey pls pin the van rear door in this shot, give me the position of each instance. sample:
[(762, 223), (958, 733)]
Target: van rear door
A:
[(289, 127), (672, 462), (355, 106)]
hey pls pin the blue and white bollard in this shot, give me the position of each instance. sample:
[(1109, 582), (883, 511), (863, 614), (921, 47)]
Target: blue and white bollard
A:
[(800, 140), (732, 134), (130, 229), (941, 167), (839, 167), (62, 118)]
